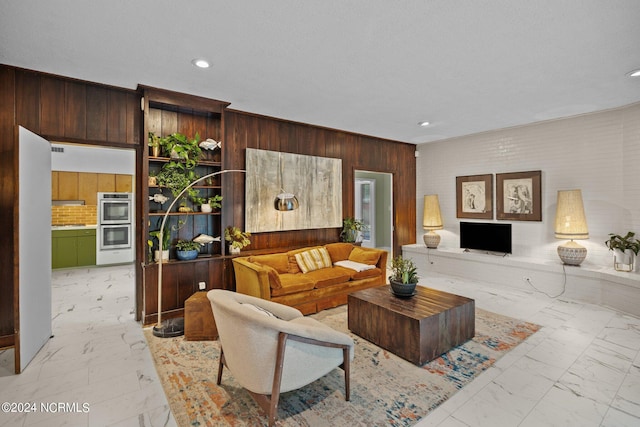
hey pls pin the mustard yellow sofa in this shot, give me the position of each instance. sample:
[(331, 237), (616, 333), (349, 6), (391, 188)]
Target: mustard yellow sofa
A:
[(308, 278)]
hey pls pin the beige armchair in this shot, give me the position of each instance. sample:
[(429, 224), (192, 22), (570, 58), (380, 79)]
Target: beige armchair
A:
[(272, 348)]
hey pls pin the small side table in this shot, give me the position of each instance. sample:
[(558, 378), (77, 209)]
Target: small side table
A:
[(199, 324)]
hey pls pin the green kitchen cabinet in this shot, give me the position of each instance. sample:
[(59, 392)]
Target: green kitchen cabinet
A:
[(73, 248)]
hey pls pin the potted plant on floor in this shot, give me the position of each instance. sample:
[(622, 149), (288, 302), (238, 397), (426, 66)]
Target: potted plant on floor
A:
[(404, 277), (187, 249), (237, 239), (351, 229), (625, 249)]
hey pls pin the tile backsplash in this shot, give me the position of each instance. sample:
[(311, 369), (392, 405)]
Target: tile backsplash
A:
[(67, 215)]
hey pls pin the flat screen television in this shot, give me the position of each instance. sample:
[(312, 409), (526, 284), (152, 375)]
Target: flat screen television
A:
[(486, 236)]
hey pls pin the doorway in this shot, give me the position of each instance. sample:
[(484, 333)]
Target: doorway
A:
[(374, 206)]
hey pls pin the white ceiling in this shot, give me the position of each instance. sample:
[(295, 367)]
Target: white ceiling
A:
[(376, 67)]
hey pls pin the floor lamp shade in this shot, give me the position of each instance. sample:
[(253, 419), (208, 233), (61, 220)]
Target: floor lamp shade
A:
[(571, 223), (431, 220)]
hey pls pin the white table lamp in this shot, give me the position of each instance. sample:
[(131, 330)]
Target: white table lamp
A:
[(432, 220), (571, 224)]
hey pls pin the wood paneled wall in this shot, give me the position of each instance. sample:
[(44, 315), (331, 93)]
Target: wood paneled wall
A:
[(59, 109), (358, 152), (63, 109)]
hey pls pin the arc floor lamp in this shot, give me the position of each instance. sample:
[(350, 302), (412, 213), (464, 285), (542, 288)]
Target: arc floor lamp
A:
[(175, 327)]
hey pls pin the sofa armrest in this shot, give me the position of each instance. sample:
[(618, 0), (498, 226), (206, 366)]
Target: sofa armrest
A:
[(251, 279), (382, 264)]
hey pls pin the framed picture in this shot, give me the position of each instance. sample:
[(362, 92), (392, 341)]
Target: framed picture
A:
[(519, 195), (474, 196)]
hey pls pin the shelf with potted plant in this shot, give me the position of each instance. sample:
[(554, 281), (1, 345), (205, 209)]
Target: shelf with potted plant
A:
[(188, 125)]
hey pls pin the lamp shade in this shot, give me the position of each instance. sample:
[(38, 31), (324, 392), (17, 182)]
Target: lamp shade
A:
[(571, 222), (431, 218)]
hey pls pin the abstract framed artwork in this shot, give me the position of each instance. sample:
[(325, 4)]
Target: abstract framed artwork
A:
[(474, 196), (316, 182), (519, 196)]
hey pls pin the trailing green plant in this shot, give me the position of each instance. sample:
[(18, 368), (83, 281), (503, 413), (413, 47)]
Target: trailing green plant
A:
[(236, 237), (188, 245), (350, 229), (623, 243), (179, 146), (403, 270), (176, 177)]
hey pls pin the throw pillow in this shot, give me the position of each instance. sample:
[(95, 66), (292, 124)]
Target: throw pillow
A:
[(339, 251), (313, 259), (272, 273), (364, 256)]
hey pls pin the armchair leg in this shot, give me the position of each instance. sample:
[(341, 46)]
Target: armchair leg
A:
[(220, 366), (346, 366)]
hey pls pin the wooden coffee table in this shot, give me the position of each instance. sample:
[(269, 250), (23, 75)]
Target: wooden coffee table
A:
[(419, 328)]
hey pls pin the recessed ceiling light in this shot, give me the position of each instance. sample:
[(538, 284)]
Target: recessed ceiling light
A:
[(200, 63), (423, 124), (634, 73)]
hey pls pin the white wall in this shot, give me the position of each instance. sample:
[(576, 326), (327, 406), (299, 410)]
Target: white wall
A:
[(598, 153), (85, 158)]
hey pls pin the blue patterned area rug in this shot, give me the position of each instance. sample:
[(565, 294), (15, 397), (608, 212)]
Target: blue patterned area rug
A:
[(385, 389)]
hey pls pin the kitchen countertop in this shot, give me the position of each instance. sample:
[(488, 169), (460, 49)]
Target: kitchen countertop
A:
[(74, 227)]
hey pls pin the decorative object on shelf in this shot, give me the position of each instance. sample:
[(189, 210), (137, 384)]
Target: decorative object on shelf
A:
[(431, 220), (205, 239), (154, 143), (208, 204), (152, 180), (519, 196), (187, 249), (166, 240), (571, 223), (474, 196), (210, 144), (237, 239), (159, 198), (404, 277), (625, 249), (351, 229)]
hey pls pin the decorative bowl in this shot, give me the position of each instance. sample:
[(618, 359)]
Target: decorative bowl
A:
[(186, 255)]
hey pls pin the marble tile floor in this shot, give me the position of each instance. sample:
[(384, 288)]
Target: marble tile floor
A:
[(98, 356), (581, 369)]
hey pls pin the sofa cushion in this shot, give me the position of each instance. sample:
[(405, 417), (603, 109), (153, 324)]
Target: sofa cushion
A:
[(339, 251), (278, 261), (364, 256), (326, 277), (356, 275), (375, 272), (313, 259), (293, 283), (293, 264), (274, 277)]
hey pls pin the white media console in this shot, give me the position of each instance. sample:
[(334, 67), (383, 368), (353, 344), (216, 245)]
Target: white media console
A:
[(601, 285)]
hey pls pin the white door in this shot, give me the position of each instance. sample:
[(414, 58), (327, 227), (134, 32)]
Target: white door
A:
[(34, 240)]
